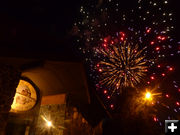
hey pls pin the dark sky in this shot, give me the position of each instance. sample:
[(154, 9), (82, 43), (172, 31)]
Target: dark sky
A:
[(39, 28)]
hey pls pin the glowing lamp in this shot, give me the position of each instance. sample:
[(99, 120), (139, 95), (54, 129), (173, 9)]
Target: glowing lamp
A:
[(148, 96), (49, 123)]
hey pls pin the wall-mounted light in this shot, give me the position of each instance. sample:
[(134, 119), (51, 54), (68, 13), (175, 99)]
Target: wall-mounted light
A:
[(49, 123)]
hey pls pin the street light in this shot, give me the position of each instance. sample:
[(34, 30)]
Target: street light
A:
[(148, 96), (49, 123)]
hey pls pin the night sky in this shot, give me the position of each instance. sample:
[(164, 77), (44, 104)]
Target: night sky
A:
[(42, 28)]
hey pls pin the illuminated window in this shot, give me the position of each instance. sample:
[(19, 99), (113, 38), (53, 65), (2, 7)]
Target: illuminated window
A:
[(25, 97)]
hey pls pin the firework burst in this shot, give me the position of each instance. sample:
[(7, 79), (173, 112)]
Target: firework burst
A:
[(123, 65), (141, 57)]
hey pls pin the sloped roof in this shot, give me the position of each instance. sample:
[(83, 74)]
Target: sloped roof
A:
[(54, 77)]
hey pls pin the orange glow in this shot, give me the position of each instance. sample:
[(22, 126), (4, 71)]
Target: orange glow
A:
[(105, 91), (105, 40), (170, 69), (157, 48), (148, 96), (148, 30), (155, 119), (122, 38), (152, 78), (25, 97), (152, 43)]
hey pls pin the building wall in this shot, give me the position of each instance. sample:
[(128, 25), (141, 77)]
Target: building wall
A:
[(52, 110), (9, 78), (65, 118), (54, 113)]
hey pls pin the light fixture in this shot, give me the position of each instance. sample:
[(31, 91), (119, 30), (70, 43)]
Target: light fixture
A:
[(148, 96), (49, 123)]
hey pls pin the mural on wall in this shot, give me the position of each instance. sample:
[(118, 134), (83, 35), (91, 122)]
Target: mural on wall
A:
[(25, 97)]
